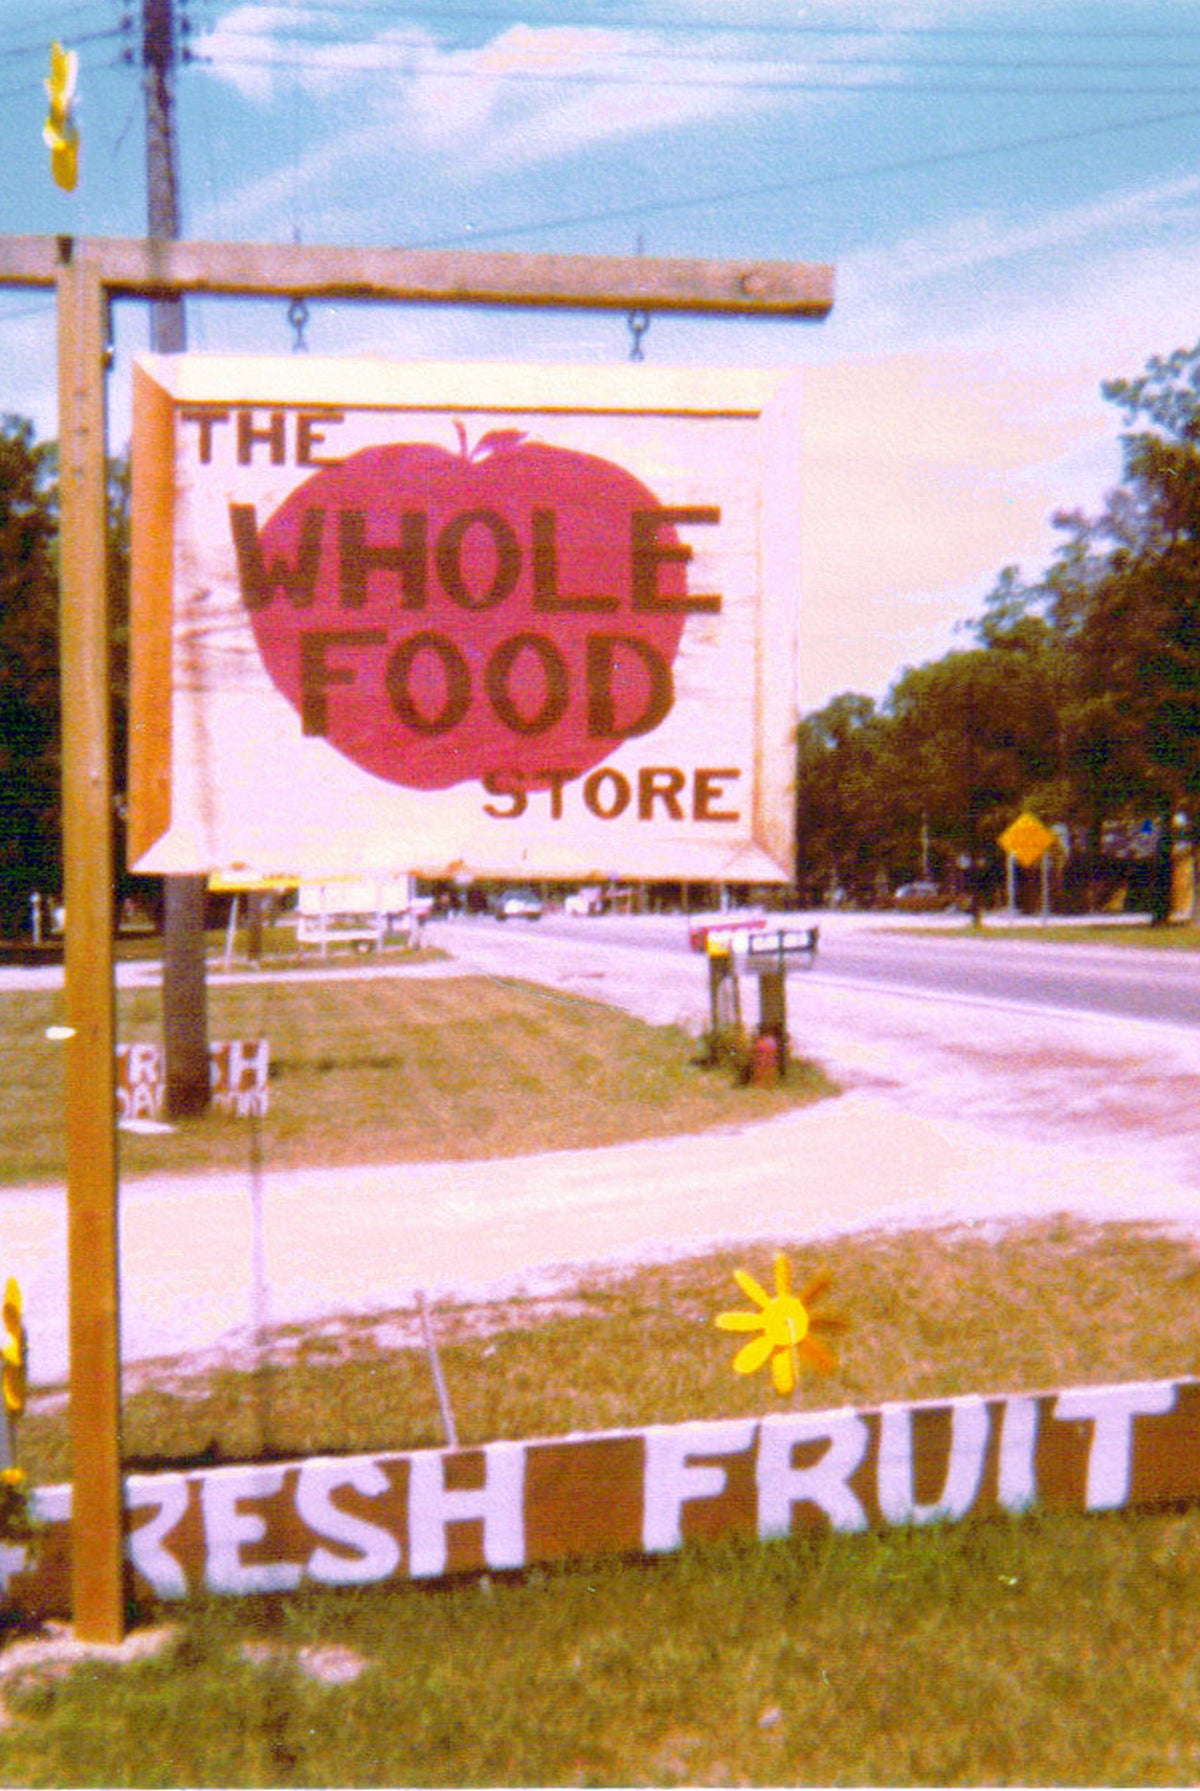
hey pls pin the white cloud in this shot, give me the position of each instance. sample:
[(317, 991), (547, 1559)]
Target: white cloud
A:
[(876, 17), (975, 244), (928, 470), (591, 87), (528, 96), (244, 49), (257, 50)]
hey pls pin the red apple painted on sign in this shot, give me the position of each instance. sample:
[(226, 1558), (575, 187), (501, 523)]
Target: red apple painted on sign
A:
[(508, 611)]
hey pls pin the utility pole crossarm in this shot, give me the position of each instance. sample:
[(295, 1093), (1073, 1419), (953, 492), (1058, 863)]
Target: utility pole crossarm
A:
[(135, 267)]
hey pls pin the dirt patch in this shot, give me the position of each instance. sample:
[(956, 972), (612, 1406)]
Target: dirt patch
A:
[(329, 1663), (1064, 1089), (29, 1661), (327, 1342)]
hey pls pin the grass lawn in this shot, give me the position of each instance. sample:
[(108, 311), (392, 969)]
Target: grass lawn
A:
[(1052, 1649), (1049, 1651), (1179, 936), (396, 1069)]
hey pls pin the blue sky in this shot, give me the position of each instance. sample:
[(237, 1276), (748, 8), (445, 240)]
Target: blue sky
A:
[(1010, 194)]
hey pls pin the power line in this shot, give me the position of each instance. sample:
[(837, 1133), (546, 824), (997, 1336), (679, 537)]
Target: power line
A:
[(660, 207), (41, 49), (741, 27), (655, 78), (312, 11), (767, 189), (383, 56), (902, 64)]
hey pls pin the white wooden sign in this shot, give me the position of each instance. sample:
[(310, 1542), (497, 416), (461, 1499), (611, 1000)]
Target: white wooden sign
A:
[(481, 620), (238, 1070), (276, 1527)]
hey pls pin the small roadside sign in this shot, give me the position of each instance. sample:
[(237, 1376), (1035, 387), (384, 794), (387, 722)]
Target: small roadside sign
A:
[(781, 951), (249, 882), (1027, 839), (724, 932)]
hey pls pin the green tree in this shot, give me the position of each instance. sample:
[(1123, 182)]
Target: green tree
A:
[(849, 834), (30, 765), (974, 733), (1080, 699), (1127, 606), (30, 700)]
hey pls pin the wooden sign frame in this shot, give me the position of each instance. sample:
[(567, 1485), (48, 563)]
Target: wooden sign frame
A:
[(232, 767)]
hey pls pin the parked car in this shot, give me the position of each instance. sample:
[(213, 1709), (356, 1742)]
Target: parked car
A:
[(517, 904), (585, 901), (920, 898)]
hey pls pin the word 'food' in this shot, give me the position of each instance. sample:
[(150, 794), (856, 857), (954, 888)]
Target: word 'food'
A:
[(439, 617)]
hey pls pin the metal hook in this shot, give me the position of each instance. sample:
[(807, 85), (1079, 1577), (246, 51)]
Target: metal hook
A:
[(297, 315), (639, 323)]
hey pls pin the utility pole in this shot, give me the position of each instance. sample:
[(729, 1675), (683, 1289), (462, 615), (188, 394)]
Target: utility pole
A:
[(184, 991)]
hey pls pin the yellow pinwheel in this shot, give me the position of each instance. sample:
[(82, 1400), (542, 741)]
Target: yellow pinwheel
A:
[(786, 1324), (14, 1366), (59, 132)]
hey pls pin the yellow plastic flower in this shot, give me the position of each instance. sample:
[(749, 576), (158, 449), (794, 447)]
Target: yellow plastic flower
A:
[(60, 133), (786, 1323), (14, 1365)]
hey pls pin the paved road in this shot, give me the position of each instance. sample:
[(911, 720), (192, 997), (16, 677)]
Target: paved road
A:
[(967, 1106), (942, 958), (1100, 1062), (1102, 980)]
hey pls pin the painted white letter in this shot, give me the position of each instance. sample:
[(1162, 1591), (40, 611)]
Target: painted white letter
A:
[(968, 1443), (1112, 1411), (1016, 1485), (500, 1502), (823, 1482), (376, 1551), (673, 1477), (143, 1546), (226, 1529)]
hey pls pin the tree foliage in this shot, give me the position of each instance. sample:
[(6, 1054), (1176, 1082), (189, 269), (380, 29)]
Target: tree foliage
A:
[(29, 696), (840, 754), (1080, 700), (30, 701)]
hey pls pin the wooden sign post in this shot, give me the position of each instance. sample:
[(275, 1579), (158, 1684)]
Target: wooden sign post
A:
[(97, 1571), (88, 274)]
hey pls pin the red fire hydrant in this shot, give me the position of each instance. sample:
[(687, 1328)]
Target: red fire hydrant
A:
[(764, 1061)]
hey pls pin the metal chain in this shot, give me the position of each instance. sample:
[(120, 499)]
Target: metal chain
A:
[(639, 323)]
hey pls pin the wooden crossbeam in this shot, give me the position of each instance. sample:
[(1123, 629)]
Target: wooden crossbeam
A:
[(137, 267)]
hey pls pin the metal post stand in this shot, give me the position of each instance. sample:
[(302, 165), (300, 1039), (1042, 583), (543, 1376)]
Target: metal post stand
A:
[(772, 1014)]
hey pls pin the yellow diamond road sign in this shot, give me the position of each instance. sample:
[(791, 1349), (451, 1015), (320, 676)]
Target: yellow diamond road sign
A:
[(1027, 839)]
